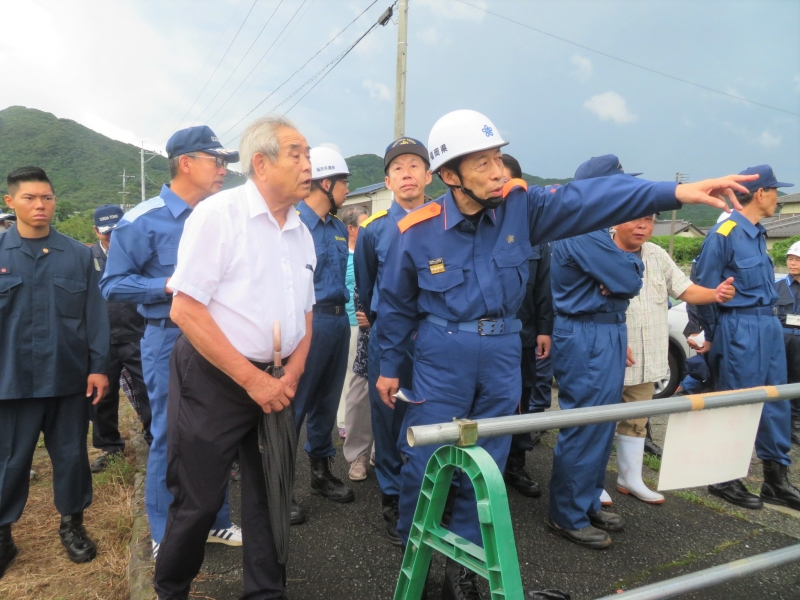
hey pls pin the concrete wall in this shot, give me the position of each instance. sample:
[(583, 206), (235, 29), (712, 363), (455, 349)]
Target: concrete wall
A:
[(374, 201)]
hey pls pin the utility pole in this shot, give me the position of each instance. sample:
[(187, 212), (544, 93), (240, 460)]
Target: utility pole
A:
[(679, 178), (123, 192), (152, 156), (400, 85)]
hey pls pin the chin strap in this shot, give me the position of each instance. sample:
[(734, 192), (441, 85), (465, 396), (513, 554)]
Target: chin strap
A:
[(484, 202), (329, 193)]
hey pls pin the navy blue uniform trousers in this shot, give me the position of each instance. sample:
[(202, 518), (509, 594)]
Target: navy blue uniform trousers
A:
[(459, 375), (64, 421), (320, 387), (748, 351), (387, 424), (589, 365)]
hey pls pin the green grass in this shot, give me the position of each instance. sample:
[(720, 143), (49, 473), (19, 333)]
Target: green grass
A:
[(652, 461)]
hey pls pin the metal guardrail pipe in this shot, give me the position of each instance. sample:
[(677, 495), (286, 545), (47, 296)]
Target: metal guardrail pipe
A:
[(451, 433), (713, 576)]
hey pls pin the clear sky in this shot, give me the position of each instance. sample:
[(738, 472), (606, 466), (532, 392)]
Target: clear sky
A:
[(132, 69)]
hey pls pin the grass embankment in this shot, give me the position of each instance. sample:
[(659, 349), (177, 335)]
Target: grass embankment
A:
[(42, 570)]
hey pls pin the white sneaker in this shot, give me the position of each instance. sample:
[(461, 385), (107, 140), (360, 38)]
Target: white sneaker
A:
[(630, 451), (155, 549), (605, 499), (232, 536)]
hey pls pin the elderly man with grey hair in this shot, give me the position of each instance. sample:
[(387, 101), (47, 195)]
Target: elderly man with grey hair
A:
[(245, 261)]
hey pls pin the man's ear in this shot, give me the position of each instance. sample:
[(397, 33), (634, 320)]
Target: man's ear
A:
[(450, 178)]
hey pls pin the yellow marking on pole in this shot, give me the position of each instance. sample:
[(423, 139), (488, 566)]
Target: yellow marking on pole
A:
[(697, 400)]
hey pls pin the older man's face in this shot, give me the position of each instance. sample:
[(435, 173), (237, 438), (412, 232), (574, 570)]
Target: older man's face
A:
[(290, 174), (634, 234)]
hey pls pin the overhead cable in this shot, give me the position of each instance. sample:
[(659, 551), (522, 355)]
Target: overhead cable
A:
[(632, 64)]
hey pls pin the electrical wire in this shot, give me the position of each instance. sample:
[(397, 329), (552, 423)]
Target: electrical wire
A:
[(263, 56), (272, 93), (210, 54), (242, 59), (218, 65), (632, 64)]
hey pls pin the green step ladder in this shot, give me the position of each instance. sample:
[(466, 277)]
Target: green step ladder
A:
[(497, 560)]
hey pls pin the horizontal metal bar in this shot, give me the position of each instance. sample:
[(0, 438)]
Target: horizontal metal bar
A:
[(448, 433), (699, 580)]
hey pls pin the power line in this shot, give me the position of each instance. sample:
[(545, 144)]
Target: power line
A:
[(272, 93), (246, 77), (241, 60), (632, 64), (210, 54), (218, 64)]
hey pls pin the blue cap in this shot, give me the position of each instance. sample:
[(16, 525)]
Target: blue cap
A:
[(199, 139), (766, 179), (405, 145), (106, 217), (601, 166)]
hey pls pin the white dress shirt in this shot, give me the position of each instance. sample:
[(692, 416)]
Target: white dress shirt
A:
[(234, 258)]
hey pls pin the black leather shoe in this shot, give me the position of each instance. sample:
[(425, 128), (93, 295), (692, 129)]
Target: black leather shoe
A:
[(459, 583), (297, 514), (735, 493), (588, 536), (323, 482), (390, 509), (606, 521), (100, 464), (776, 488), (7, 548), (516, 476), (650, 447), (80, 548), (536, 437), (547, 595)]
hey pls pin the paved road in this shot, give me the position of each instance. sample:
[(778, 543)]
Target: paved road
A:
[(341, 552)]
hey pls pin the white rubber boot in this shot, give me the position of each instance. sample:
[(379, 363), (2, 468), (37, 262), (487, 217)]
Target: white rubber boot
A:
[(605, 499), (630, 451)]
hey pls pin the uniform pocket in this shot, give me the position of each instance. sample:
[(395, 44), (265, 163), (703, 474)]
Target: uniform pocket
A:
[(512, 266), (441, 282), (748, 271), (167, 255), (70, 296), (9, 285)]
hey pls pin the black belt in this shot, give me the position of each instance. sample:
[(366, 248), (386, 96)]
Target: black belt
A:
[(761, 311), (329, 309), (603, 318), (162, 323)]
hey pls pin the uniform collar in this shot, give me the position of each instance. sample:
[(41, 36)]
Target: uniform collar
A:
[(175, 203), (311, 218), (397, 211), (453, 216), (14, 240), (256, 205), (752, 230)]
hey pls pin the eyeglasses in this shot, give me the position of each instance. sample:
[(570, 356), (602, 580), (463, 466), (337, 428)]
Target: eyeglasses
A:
[(220, 161)]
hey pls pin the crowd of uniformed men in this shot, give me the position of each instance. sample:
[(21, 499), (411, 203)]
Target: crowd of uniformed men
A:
[(419, 314)]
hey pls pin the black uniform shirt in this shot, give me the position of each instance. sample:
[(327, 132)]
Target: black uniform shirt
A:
[(536, 312), (53, 320), (127, 325)]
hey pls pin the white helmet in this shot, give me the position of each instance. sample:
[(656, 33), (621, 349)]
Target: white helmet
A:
[(794, 250), (326, 162), (459, 133)]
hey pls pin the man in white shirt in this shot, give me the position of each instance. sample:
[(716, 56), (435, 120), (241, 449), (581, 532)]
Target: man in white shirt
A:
[(245, 261)]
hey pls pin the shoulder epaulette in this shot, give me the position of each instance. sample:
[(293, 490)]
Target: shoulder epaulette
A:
[(726, 227), (423, 213), (514, 183), (377, 215)]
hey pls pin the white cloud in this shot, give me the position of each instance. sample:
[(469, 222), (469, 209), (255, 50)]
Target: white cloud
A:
[(583, 67), (768, 140), (377, 90), (429, 36), (454, 10), (610, 106)]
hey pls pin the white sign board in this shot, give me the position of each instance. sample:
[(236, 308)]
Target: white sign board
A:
[(708, 446)]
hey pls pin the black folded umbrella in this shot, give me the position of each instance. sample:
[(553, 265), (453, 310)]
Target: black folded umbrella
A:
[(277, 441)]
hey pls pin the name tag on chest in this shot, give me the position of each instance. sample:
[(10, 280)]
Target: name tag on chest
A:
[(793, 320), (436, 265)]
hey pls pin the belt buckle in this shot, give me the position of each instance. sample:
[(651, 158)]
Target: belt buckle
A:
[(337, 309), (492, 324)]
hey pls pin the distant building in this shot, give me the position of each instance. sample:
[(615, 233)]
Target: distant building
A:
[(683, 228), (788, 225), (791, 204), (374, 197)]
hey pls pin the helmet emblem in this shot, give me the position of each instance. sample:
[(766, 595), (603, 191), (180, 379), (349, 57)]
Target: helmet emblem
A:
[(488, 131)]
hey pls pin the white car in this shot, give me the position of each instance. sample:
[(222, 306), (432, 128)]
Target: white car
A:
[(679, 351)]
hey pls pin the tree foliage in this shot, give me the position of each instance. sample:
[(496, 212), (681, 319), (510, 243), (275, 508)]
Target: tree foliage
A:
[(79, 227), (779, 250), (685, 249)]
